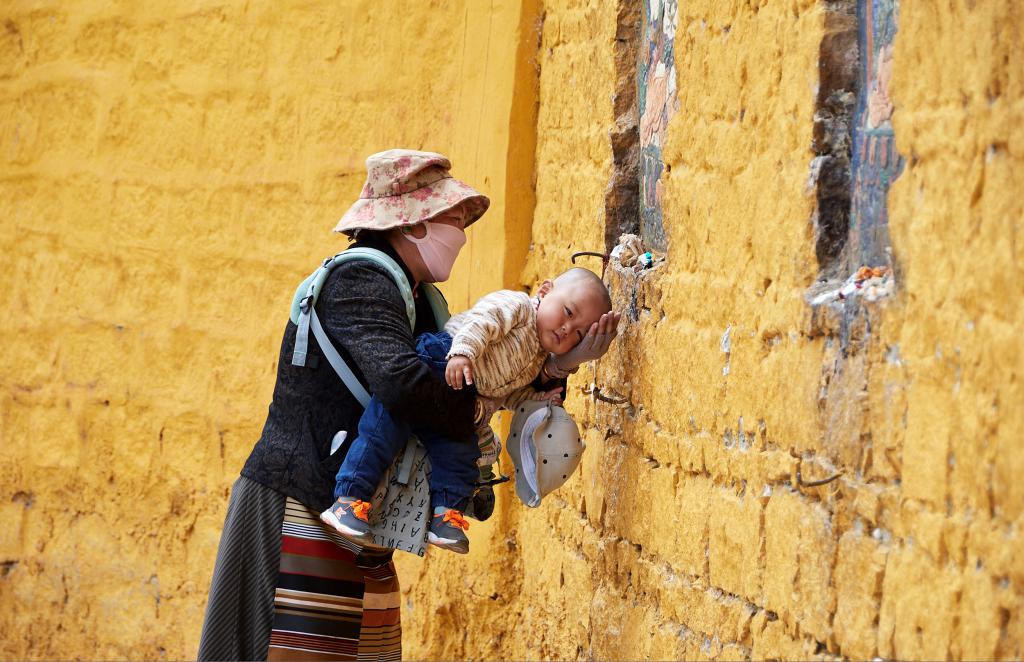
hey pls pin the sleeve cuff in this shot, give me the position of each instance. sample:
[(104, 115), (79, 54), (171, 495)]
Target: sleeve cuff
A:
[(461, 350)]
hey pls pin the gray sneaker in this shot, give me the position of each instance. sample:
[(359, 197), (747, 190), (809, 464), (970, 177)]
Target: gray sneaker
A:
[(446, 530), (351, 518)]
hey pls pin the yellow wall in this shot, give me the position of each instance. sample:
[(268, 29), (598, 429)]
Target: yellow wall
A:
[(955, 584), (150, 154), (168, 173), (685, 534)]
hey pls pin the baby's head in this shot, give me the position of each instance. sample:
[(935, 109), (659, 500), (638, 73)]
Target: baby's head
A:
[(569, 306)]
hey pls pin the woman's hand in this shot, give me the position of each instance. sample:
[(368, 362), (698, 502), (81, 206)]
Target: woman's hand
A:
[(594, 344), (553, 371), (459, 368)]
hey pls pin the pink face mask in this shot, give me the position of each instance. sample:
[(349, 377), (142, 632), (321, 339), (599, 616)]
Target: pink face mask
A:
[(439, 247)]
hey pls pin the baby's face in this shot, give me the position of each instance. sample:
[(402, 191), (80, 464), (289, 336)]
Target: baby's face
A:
[(565, 315)]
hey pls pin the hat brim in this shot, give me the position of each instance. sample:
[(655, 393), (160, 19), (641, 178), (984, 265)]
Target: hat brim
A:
[(553, 463), (417, 206), (526, 494)]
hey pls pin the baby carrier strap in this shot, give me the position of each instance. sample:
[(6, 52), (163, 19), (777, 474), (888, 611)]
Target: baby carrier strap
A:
[(303, 314)]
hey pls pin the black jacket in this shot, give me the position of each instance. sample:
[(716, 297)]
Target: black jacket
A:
[(363, 312)]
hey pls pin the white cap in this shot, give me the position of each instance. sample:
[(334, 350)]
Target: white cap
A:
[(546, 448)]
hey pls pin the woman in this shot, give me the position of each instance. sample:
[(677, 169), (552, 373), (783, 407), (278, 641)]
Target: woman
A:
[(282, 588)]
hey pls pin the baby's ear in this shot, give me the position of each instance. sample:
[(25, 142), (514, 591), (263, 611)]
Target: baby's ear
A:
[(545, 289)]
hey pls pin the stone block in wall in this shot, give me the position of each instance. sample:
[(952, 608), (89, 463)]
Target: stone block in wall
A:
[(860, 562), (731, 616), (1007, 488), (667, 642), (621, 626), (53, 118), (13, 514), (106, 42), (994, 545), (570, 579), (925, 455), (690, 452), (659, 534), (980, 607), (918, 606), (592, 477), (734, 543), (887, 391), (772, 640), (817, 553), (782, 517), (625, 474), (691, 536), (797, 562), (41, 588)]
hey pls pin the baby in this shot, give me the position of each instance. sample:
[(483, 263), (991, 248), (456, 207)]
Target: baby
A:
[(499, 346)]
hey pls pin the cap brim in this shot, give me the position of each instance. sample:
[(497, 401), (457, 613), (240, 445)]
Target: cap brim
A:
[(526, 494)]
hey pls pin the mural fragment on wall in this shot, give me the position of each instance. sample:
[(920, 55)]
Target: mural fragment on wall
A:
[(656, 87), (875, 162)]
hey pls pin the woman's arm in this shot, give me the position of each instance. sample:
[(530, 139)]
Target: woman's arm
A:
[(363, 312)]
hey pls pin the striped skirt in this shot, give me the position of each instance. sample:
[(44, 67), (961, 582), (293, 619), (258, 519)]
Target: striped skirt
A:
[(286, 587)]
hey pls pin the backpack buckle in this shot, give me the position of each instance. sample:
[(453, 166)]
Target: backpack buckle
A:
[(304, 304)]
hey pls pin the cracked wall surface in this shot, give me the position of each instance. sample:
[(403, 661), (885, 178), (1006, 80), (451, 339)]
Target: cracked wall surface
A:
[(704, 523), (147, 147), (749, 500)]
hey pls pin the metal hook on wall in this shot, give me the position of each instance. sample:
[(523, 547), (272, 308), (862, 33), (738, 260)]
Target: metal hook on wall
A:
[(604, 258), (814, 483), (595, 391)]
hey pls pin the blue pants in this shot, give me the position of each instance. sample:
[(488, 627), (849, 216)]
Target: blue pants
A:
[(381, 436)]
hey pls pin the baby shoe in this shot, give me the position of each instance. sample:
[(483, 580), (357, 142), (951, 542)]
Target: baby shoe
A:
[(446, 530), (351, 518)]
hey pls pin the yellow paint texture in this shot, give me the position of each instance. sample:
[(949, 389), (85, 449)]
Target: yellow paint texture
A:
[(150, 155), (685, 534), (168, 173)]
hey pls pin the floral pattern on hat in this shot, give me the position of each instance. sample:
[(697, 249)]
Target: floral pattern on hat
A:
[(405, 187)]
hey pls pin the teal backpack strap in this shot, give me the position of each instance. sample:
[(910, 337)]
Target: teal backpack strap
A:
[(438, 305), (338, 363), (301, 310), (313, 283), (304, 302), (303, 314)]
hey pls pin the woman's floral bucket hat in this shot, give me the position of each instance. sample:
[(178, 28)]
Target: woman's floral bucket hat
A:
[(405, 187)]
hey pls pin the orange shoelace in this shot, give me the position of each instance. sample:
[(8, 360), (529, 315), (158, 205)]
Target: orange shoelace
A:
[(456, 519), (361, 509)]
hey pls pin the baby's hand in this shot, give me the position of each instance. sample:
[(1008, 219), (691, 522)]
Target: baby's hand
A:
[(459, 368)]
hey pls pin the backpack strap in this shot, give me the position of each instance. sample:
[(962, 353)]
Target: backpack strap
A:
[(338, 363), (303, 312), (438, 304), (313, 283)]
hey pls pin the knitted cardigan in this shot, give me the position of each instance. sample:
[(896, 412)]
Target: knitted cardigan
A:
[(499, 333)]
